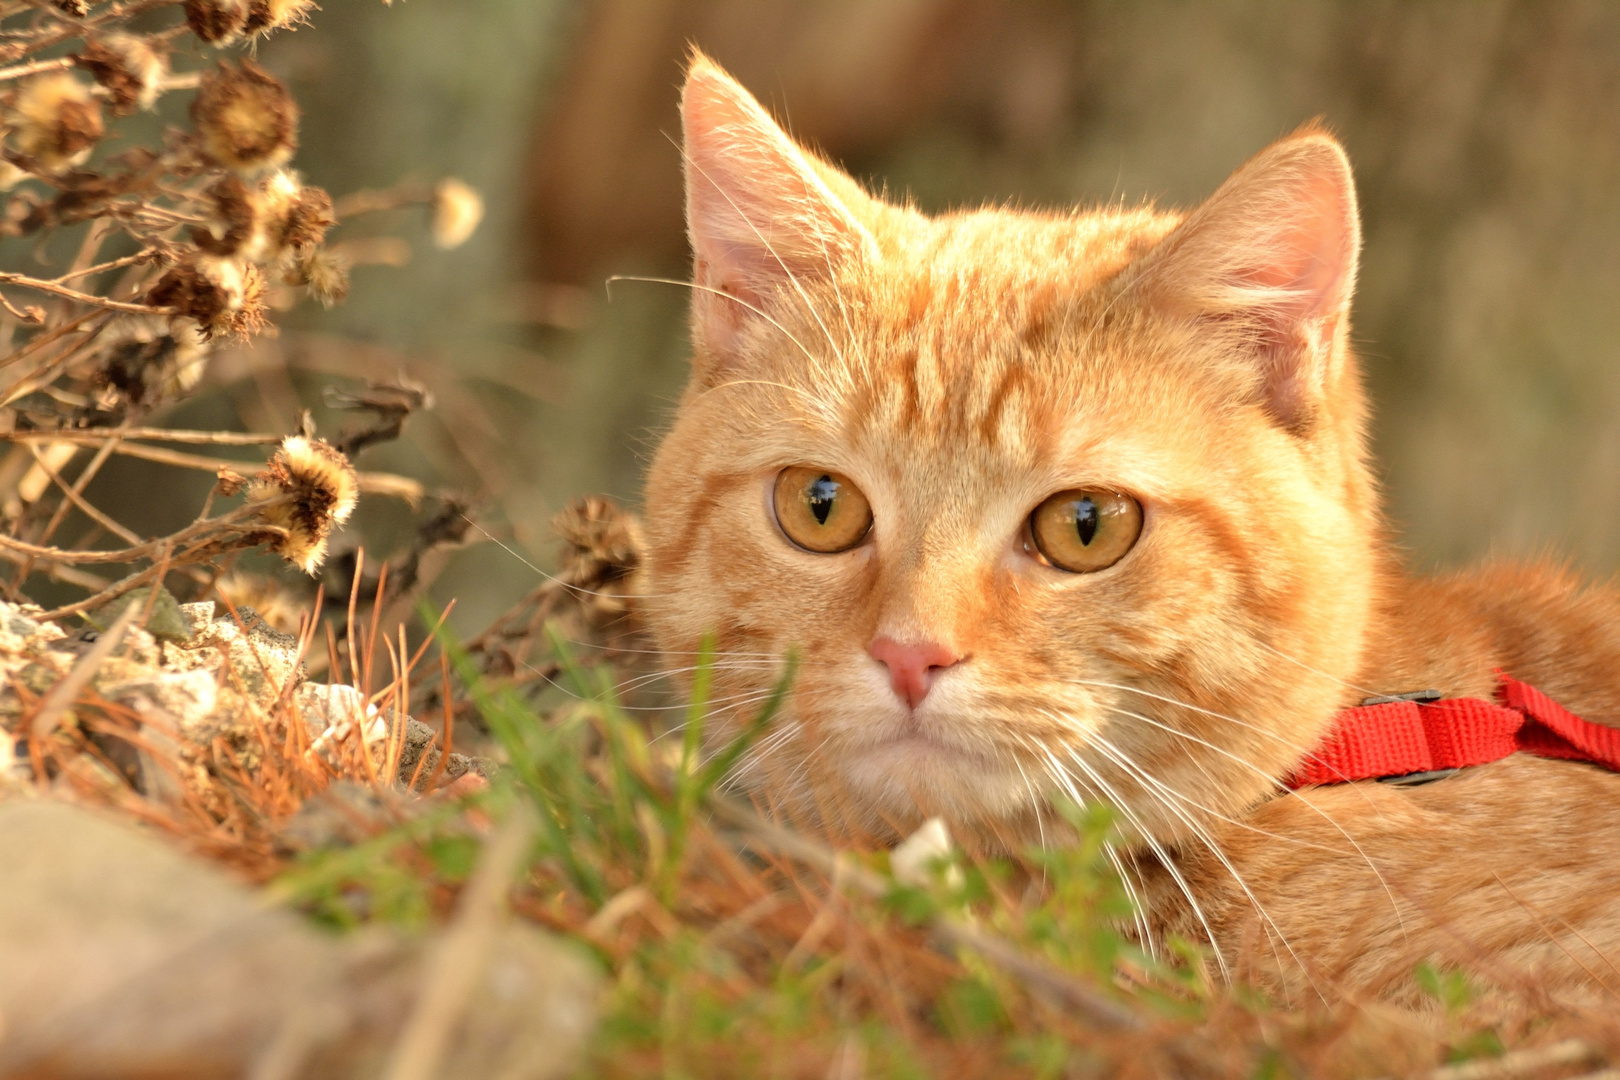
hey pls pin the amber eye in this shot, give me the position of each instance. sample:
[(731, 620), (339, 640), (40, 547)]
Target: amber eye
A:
[(1085, 530), (820, 510)]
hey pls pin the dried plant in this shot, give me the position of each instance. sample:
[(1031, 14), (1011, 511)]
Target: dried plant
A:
[(162, 251)]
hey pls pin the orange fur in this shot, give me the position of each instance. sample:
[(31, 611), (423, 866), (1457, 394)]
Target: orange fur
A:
[(961, 368)]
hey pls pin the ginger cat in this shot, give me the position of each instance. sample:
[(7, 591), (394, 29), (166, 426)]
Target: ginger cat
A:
[(1080, 504)]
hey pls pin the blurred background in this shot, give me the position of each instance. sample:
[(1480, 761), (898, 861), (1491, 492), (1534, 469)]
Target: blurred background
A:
[(1486, 138)]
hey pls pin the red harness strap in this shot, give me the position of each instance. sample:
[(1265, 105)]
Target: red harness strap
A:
[(1398, 738)]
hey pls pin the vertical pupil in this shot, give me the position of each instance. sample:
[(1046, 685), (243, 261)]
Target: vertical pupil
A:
[(821, 494), (1086, 520)]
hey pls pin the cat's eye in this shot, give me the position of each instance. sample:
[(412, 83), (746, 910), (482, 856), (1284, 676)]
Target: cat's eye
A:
[(821, 511), (1085, 530)]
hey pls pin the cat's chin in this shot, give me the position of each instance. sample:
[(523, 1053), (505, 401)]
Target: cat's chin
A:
[(914, 776)]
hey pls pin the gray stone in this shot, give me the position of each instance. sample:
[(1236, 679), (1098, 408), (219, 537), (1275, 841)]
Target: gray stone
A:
[(125, 958), (260, 661)]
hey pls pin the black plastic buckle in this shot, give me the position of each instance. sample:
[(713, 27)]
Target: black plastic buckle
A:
[(1421, 697)]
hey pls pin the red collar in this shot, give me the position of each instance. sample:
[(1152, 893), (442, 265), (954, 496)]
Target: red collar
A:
[(1402, 736)]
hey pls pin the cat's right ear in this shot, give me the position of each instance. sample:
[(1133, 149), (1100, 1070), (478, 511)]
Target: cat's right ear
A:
[(1269, 262), (763, 221)]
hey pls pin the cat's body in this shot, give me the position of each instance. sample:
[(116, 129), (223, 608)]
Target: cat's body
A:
[(952, 379)]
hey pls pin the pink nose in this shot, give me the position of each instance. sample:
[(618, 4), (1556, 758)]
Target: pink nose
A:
[(912, 667)]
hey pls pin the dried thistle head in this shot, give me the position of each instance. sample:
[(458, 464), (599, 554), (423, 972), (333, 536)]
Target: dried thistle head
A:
[(217, 22), (324, 490), (601, 560), (55, 121), (307, 219), (150, 362), (233, 219), (265, 16), (325, 272), (292, 214), (457, 210), (269, 599), (128, 68), (601, 541), (244, 118), (223, 296)]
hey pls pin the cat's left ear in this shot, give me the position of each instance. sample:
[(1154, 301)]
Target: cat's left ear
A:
[(1270, 261), (764, 217)]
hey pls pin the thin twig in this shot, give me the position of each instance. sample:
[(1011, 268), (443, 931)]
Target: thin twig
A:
[(213, 438), (1081, 998), (32, 316), (80, 501), (180, 460), (49, 337), (116, 264), (1520, 1062), (452, 969), (371, 483), (43, 285), (372, 200), (238, 519), (34, 67), (67, 574)]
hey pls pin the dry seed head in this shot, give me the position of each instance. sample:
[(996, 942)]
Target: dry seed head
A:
[(244, 117), (457, 210), (153, 360), (77, 8), (229, 482), (218, 22), (234, 221), (267, 15), (324, 490), (308, 219), (56, 121), (267, 598), (224, 296), (128, 68), (325, 272), (292, 215)]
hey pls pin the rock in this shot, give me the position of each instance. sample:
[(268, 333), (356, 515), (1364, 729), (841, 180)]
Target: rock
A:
[(418, 741), (222, 679), (260, 661), (125, 958), (191, 698), (164, 617), (341, 816), (332, 711)]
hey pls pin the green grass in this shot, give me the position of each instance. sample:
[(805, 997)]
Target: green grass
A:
[(727, 953)]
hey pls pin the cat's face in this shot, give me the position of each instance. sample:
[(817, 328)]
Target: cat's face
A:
[(1044, 503)]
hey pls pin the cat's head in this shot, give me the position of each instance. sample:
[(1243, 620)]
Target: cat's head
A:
[(1045, 502)]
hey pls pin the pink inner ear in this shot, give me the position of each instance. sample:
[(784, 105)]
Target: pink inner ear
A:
[(759, 215), (1312, 255), (1272, 256)]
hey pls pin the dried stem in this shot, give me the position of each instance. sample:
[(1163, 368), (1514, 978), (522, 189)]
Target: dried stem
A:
[(78, 297), (207, 438)]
